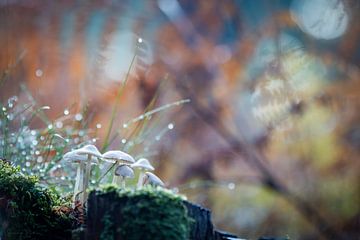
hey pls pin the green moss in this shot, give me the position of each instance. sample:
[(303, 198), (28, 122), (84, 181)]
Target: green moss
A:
[(147, 213), (27, 210), (107, 233)]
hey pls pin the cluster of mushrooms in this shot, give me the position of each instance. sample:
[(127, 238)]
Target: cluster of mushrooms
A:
[(125, 165)]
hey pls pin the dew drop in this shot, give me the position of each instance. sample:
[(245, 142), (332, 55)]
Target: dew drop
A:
[(66, 112), (27, 164), (78, 117), (170, 126), (140, 40), (59, 124), (39, 73), (231, 186), (123, 140), (98, 125), (125, 125)]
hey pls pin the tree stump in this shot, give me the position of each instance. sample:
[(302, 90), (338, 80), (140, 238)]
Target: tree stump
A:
[(98, 213)]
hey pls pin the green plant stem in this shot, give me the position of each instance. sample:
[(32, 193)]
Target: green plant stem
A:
[(116, 105)]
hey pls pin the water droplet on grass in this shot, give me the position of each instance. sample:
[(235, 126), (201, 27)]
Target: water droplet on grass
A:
[(39, 159), (78, 117), (59, 124)]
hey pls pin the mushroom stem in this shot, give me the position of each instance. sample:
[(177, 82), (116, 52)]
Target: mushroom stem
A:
[(118, 180), (86, 178), (81, 182), (77, 182), (115, 178), (140, 180), (122, 180)]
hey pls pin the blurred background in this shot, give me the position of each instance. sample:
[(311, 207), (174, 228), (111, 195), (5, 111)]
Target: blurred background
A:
[(260, 119)]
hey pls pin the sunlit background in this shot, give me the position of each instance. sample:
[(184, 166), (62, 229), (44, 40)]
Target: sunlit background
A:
[(260, 119)]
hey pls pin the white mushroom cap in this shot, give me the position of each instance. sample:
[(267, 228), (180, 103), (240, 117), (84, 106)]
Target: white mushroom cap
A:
[(124, 171), (75, 157), (143, 164), (89, 150), (152, 179), (112, 156)]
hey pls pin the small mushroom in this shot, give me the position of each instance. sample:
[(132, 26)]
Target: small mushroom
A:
[(143, 165), (74, 157), (118, 157), (152, 179), (90, 151), (123, 171)]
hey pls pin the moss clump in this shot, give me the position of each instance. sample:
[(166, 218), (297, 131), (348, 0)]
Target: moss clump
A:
[(147, 213), (29, 212)]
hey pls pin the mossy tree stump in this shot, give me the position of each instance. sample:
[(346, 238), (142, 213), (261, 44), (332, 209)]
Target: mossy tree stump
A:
[(136, 214), (146, 214)]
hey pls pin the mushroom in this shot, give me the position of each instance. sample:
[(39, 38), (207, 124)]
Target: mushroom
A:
[(152, 179), (123, 171), (143, 165), (74, 157), (118, 157), (90, 151)]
